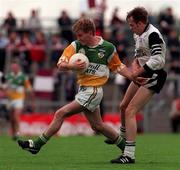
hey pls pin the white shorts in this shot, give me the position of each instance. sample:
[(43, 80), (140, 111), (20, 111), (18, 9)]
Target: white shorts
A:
[(16, 104), (89, 97)]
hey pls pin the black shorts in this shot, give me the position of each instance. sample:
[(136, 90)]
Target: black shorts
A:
[(156, 80)]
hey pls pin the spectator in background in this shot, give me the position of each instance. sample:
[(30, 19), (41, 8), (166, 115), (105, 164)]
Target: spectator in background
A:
[(56, 47), (107, 35), (12, 44), (102, 7), (38, 49), (3, 44), (24, 52), (99, 17), (23, 27), (116, 22), (17, 86), (166, 21), (9, 23), (99, 25), (173, 44), (175, 115), (121, 45), (153, 19), (65, 24), (91, 3), (34, 22), (23, 24)]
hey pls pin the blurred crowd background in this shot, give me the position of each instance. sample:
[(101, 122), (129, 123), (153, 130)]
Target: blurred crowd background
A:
[(37, 48)]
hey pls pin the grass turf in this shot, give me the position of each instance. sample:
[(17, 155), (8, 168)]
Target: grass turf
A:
[(153, 152)]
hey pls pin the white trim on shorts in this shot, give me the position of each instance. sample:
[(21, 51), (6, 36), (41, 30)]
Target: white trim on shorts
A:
[(89, 97), (16, 104)]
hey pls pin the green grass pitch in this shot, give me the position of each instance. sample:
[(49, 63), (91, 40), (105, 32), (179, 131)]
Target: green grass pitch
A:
[(153, 152)]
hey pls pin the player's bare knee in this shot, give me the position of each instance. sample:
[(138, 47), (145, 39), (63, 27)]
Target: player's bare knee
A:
[(59, 114), (130, 111), (98, 127), (122, 106)]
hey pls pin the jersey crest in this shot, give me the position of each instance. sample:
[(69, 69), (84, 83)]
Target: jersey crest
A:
[(82, 50), (101, 53)]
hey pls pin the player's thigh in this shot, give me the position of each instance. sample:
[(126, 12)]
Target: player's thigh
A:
[(142, 96), (131, 91), (18, 111), (89, 97), (70, 109), (16, 106), (94, 118)]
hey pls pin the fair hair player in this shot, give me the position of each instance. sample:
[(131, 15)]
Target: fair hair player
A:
[(103, 57)]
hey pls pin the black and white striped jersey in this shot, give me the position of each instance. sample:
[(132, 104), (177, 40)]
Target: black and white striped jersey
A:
[(150, 49)]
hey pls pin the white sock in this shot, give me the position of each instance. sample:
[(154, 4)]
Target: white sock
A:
[(123, 132), (130, 149), (118, 140)]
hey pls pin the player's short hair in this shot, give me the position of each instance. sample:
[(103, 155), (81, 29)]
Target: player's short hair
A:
[(85, 25), (138, 14)]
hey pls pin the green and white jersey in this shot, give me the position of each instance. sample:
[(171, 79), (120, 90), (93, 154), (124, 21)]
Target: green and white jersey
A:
[(17, 85), (102, 58)]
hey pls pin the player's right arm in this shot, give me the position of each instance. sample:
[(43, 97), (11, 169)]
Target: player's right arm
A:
[(115, 64), (63, 62)]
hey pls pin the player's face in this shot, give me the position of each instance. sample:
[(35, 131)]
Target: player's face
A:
[(136, 27), (83, 37), (15, 68)]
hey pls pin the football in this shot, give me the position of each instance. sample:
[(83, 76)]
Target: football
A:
[(82, 57)]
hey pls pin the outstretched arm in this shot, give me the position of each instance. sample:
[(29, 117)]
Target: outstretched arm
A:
[(133, 76), (124, 71)]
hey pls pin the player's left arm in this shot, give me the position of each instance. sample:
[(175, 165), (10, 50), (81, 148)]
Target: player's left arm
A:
[(157, 49), (116, 65)]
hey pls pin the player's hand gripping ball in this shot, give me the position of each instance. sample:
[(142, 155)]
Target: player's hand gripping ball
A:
[(83, 58)]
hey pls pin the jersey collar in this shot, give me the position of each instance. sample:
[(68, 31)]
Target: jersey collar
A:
[(19, 73), (146, 27), (99, 43)]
